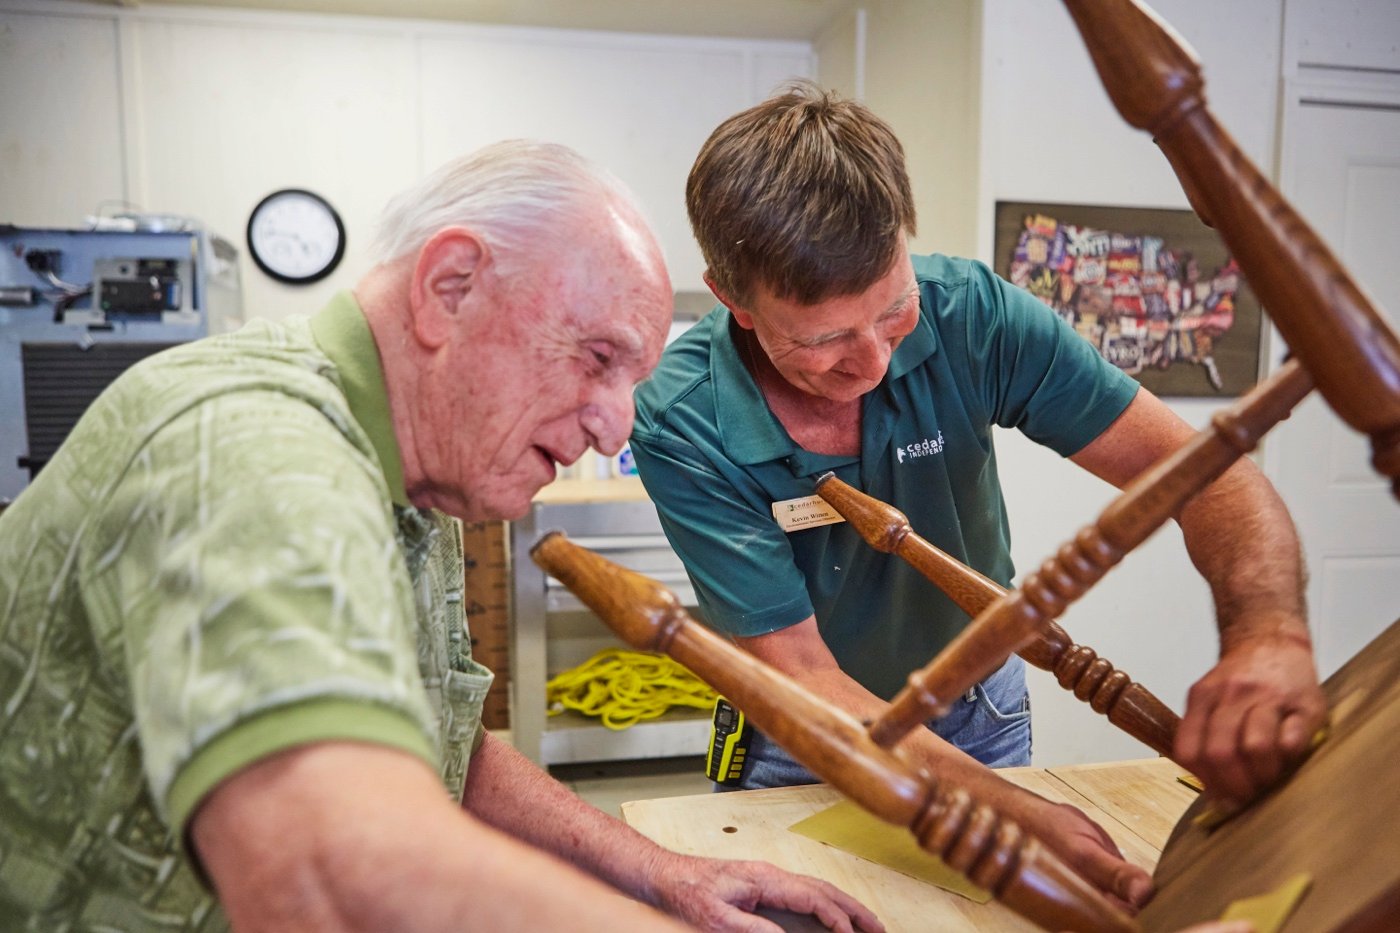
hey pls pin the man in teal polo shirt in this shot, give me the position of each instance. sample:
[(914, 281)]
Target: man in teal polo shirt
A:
[(833, 350), (234, 662)]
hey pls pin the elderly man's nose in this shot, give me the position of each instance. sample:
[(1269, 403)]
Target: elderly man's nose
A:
[(608, 419)]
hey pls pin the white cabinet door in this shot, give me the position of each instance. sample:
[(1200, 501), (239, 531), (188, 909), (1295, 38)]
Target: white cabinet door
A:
[(1342, 171)]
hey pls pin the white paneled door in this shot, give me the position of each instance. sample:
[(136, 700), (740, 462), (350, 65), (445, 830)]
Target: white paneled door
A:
[(1342, 171)]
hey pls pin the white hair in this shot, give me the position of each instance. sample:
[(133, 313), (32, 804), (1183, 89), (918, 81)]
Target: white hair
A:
[(512, 193)]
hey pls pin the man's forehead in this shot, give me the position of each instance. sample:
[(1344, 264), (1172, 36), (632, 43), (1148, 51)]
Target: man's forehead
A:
[(876, 301)]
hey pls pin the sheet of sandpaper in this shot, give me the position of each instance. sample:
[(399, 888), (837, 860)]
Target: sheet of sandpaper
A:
[(849, 828), (1268, 911)]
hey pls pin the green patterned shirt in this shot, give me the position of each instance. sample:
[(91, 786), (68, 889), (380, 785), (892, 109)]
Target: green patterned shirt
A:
[(221, 562)]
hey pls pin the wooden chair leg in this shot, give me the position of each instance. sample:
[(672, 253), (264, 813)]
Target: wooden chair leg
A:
[(991, 850), (1128, 704)]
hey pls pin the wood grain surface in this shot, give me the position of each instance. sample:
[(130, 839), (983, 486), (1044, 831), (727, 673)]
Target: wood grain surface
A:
[(1334, 819), (1137, 802)]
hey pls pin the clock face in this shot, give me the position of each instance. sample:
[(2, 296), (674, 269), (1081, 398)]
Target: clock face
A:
[(295, 236)]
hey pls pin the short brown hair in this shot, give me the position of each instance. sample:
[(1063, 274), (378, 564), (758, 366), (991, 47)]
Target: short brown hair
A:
[(805, 194)]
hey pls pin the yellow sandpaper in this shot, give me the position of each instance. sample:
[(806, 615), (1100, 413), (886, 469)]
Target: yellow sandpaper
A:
[(849, 828), (1191, 781), (1269, 911)]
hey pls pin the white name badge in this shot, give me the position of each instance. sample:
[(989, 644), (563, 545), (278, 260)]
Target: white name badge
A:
[(807, 512)]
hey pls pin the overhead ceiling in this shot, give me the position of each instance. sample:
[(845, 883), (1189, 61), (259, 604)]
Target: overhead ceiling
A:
[(753, 19)]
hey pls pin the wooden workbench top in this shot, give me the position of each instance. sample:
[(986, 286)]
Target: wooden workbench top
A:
[(1137, 802)]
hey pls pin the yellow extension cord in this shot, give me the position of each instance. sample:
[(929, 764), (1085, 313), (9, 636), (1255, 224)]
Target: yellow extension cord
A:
[(623, 687)]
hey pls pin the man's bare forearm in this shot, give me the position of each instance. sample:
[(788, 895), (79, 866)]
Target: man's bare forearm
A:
[(1243, 542), (348, 837), (505, 790)]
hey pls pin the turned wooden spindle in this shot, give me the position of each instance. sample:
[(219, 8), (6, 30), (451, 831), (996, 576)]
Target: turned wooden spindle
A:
[(1128, 705), (1143, 506), (1329, 323), (990, 850)]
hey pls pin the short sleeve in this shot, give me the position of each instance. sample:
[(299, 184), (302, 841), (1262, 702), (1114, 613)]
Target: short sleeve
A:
[(1036, 373)]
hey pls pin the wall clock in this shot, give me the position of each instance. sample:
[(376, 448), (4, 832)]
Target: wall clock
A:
[(295, 236)]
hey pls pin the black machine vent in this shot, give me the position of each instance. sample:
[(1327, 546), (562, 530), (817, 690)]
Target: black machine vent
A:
[(61, 381)]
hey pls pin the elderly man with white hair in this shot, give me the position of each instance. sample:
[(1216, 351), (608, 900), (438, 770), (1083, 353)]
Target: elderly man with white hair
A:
[(234, 662)]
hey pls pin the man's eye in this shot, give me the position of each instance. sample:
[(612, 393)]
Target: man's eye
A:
[(601, 356)]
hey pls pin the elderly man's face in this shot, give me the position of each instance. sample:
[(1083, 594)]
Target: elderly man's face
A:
[(545, 366)]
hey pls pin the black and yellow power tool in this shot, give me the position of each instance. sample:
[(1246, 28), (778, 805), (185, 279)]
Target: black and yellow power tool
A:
[(729, 744)]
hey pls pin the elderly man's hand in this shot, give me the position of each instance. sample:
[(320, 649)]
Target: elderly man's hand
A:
[(1252, 716), (720, 895)]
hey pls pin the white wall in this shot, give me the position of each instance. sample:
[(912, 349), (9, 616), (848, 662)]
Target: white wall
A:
[(921, 75), (203, 111)]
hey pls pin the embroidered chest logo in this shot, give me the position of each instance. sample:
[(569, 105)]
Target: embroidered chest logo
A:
[(924, 448)]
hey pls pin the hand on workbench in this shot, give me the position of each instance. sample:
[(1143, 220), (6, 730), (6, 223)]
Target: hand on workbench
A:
[(1084, 846), (720, 895), (1253, 716)]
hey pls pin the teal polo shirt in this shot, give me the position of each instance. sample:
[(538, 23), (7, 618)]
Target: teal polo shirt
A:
[(715, 459)]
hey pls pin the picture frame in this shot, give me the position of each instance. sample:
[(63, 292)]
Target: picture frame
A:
[(1153, 289)]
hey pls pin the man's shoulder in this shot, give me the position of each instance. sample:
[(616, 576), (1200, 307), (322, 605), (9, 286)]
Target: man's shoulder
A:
[(680, 379), (258, 366), (257, 345), (950, 274), (261, 355), (957, 293), (936, 267)]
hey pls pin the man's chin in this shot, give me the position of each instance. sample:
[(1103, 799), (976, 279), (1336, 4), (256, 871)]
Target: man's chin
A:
[(508, 506), (843, 392), (484, 505), (513, 504)]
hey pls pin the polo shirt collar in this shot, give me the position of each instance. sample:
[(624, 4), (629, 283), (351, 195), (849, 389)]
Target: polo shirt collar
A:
[(750, 432), (914, 349), (343, 334)]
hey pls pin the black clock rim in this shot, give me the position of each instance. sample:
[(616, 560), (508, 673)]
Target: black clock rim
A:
[(294, 279)]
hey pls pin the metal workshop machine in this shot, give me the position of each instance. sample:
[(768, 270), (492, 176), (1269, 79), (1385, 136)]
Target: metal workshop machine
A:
[(77, 307)]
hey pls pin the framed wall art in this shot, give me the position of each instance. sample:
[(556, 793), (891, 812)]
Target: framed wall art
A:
[(1154, 290)]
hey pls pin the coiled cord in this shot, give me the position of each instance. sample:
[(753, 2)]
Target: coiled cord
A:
[(622, 687)]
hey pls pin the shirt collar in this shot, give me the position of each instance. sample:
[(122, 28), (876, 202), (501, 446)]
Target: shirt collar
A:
[(914, 349), (751, 433), (343, 334)]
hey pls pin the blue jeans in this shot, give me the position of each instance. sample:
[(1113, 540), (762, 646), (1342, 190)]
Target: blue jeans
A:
[(992, 723)]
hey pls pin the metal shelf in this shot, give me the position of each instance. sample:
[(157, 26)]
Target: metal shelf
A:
[(570, 737), (620, 523)]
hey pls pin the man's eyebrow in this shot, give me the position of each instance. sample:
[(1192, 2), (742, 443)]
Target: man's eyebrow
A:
[(902, 300), (897, 305), (628, 345)]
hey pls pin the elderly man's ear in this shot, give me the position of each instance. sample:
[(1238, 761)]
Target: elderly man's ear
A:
[(443, 281)]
